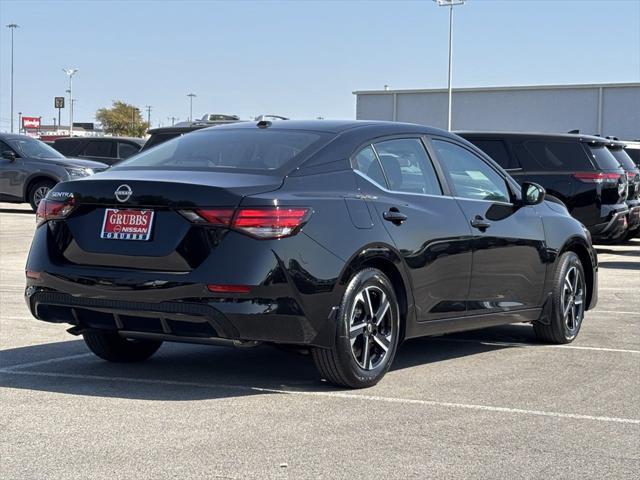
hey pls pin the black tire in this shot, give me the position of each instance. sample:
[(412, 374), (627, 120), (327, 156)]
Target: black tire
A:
[(562, 329), (342, 365), (114, 348), (36, 190)]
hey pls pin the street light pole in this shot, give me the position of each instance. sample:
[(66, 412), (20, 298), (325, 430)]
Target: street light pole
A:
[(191, 97), (450, 4), (12, 27), (71, 72)]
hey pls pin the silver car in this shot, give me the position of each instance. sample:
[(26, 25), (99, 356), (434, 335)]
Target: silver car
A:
[(29, 168)]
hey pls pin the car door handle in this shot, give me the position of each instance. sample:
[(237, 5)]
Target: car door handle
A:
[(394, 216), (480, 223)]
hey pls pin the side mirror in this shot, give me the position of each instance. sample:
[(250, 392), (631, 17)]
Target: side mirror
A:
[(532, 193), (9, 155)]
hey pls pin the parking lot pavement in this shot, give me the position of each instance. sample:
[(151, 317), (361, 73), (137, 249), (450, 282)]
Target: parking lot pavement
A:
[(485, 404)]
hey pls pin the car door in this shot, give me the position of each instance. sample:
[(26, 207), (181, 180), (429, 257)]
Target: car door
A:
[(509, 243), (427, 227), (12, 175)]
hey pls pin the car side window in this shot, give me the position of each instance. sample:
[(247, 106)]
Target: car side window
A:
[(367, 163), (469, 175), (5, 148), (497, 150), (407, 166), (126, 150), (98, 149)]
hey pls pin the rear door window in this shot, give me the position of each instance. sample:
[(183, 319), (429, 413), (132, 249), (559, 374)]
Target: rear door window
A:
[(99, 148), (407, 167), (126, 150), (367, 163), (552, 155), (497, 150)]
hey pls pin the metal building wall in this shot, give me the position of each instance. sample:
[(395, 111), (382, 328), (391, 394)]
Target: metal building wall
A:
[(609, 109)]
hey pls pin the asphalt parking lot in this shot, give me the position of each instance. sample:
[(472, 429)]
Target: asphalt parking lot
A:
[(485, 404)]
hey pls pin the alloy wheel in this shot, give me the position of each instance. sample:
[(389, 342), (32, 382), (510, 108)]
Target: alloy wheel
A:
[(371, 327), (39, 194), (573, 289)]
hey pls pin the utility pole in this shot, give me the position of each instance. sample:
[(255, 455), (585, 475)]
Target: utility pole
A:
[(12, 27), (191, 97), (450, 4), (149, 107)]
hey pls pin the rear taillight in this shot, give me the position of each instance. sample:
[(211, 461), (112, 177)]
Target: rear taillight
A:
[(597, 177), (270, 222), (259, 222), (53, 210)]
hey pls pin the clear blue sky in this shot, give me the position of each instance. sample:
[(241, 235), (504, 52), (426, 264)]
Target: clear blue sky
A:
[(300, 58)]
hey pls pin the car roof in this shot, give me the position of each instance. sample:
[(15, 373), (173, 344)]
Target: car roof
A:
[(14, 136), (139, 141), (336, 126), (539, 135)]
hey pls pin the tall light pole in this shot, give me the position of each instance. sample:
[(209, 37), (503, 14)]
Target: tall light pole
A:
[(191, 97), (71, 72), (12, 27), (450, 4)]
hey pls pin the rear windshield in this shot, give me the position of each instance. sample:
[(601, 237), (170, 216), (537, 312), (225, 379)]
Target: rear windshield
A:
[(623, 158), (604, 158), (259, 150), (158, 138)]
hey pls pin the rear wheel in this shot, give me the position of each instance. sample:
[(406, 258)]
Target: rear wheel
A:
[(367, 333), (38, 191), (569, 302), (114, 348)]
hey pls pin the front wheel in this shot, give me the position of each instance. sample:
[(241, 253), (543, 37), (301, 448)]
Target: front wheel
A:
[(38, 191), (114, 348), (569, 302), (367, 333)]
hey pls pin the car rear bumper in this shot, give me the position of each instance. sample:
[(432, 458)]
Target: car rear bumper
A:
[(633, 217), (615, 223), (191, 319)]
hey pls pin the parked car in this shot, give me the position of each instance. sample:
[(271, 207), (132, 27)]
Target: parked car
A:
[(162, 134), (344, 238), (620, 151), (576, 169), (633, 150), (109, 150), (29, 169)]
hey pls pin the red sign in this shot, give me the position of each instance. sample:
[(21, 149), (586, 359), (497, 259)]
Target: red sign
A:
[(30, 122), (126, 224)]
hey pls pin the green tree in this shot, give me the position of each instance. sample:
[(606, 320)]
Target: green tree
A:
[(122, 119)]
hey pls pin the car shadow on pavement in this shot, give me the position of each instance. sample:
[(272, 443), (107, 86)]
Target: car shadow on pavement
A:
[(620, 265), (16, 210), (181, 372)]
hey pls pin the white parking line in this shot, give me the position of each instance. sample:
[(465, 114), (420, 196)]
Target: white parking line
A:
[(340, 395), (45, 362), (533, 345)]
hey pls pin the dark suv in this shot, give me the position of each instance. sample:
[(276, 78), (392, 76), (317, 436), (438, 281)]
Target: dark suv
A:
[(577, 169), (620, 151), (109, 150)]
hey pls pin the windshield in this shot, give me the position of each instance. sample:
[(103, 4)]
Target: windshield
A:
[(623, 158), (260, 150), (32, 148)]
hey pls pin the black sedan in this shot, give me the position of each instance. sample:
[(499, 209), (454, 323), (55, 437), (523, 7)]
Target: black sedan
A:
[(343, 238)]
